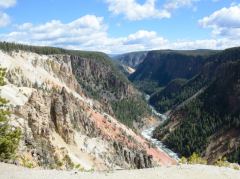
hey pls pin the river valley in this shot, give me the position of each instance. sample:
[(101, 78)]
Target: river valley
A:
[(148, 133)]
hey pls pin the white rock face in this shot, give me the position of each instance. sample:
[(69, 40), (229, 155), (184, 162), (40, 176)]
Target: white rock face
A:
[(27, 73), (15, 95)]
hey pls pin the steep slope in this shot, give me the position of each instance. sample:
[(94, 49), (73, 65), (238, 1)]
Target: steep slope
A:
[(160, 99), (99, 79), (208, 123), (62, 126), (132, 59), (161, 67), (165, 100)]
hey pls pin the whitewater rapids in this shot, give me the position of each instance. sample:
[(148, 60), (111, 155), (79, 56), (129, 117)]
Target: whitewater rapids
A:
[(148, 134)]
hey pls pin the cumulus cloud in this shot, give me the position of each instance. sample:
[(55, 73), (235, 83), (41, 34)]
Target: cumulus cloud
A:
[(176, 4), (89, 32), (133, 10), (4, 19), (224, 22), (7, 3)]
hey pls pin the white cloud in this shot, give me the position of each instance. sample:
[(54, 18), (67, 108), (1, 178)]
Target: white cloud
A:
[(133, 10), (91, 33), (221, 43), (224, 22), (88, 31), (4, 19), (176, 4), (145, 39), (7, 3)]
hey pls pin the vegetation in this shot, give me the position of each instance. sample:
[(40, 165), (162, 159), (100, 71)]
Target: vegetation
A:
[(197, 159), (9, 137), (148, 86), (192, 135), (193, 159), (161, 67), (234, 156), (105, 84), (215, 110), (173, 94), (129, 110), (222, 162), (26, 163), (68, 162), (10, 47)]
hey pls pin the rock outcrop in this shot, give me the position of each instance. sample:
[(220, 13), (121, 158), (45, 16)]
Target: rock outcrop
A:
[(132, 59)]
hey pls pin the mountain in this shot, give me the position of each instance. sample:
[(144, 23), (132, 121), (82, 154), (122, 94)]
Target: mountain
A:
[(205, 116), (71, 106), (162, 66), (132, 59)]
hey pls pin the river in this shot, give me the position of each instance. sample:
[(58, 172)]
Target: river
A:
[(148, 133)]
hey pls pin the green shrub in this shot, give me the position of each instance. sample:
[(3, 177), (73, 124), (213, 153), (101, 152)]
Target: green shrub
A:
[(68, 162), (183, 160), (9, 136), (196, 159), (193, 159), (222, 162), (26, 162)]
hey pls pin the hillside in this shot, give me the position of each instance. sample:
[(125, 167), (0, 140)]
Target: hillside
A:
[(207, 121), (68, 105), (160, 99), (161, 67)]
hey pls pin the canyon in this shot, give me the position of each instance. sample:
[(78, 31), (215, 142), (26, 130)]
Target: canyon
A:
[(62, 125)]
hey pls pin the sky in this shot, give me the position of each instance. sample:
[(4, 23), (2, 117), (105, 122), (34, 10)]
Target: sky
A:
[(120, 26)]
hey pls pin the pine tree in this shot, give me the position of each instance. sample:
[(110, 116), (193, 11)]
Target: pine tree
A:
[(9, 137)]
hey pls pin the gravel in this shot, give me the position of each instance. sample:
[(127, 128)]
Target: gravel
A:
[(8, 171)]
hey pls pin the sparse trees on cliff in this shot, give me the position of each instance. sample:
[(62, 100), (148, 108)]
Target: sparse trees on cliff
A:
[(9, 137)]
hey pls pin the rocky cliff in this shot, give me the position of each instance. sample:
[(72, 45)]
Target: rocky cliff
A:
[(62, 125), (132, 59), (101, 80)]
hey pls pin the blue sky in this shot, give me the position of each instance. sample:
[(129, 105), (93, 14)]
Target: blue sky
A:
[(118, 26)]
